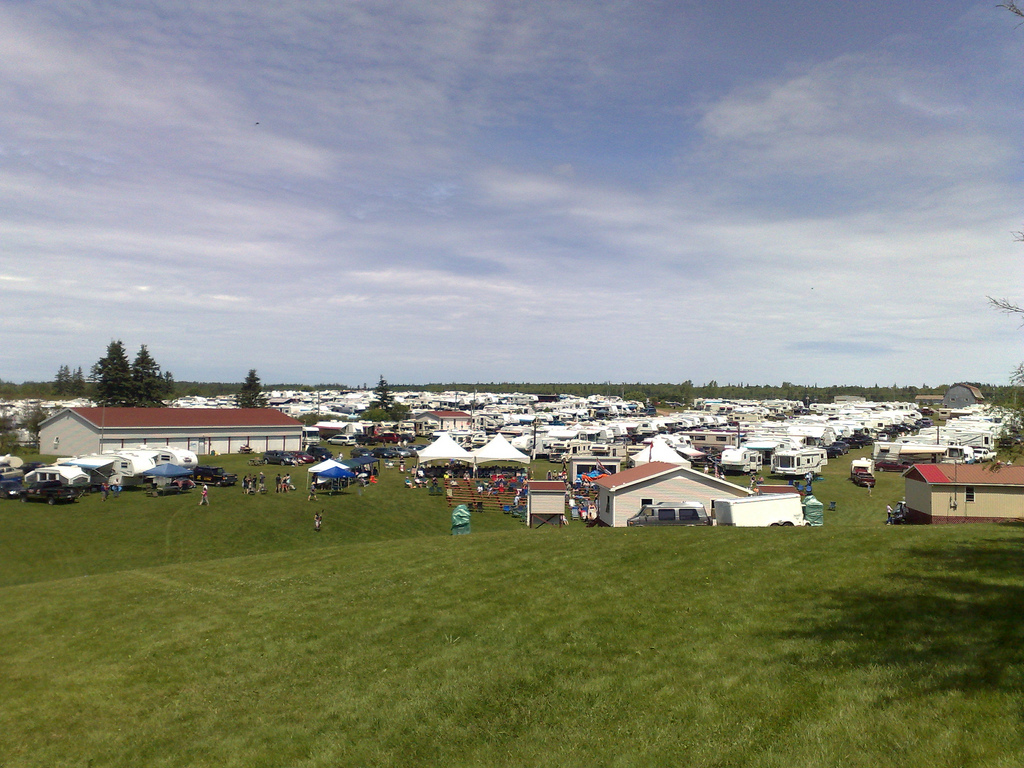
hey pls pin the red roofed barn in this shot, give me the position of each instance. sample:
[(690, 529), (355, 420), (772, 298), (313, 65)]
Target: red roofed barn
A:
[(964, 493), (77, 431)]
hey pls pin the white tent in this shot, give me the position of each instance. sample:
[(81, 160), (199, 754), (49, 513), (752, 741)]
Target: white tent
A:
[(499, 449), (444, 449), (659, 450), (316, 469)]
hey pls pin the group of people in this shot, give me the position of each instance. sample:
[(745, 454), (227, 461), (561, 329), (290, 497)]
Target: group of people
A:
[(252, 484), (110, 488)]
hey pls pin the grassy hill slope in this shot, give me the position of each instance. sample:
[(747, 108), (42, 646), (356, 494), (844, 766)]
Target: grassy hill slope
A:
[(235, 636)]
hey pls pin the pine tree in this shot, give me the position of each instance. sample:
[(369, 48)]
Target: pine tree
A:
[(251, 394), (113, 377), (149, 387), (62, 384), (382, 397), (77, 384)]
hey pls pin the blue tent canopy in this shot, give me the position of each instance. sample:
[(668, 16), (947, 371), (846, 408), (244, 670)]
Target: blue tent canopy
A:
[(167, 470), (362, 461), (334, 472)]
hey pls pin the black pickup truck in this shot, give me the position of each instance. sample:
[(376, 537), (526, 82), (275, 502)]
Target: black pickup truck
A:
[(50, 491), (213, 475)]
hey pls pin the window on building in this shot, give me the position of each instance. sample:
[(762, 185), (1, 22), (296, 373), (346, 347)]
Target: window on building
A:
[(644, 502), (969, 493)]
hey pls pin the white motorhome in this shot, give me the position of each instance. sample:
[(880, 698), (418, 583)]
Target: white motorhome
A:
[(760, 511), (796, 462), (310, 436)]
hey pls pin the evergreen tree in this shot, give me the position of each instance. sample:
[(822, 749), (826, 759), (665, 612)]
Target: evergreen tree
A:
[(149, 387), (251, 394), (62, 384), (77, 386), (113, 377), (382, 397)]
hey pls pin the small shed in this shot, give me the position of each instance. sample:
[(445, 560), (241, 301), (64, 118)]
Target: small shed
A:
[(964, 493), (545, 502)]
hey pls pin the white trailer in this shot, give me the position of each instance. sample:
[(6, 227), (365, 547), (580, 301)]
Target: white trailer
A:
[(798, 462), (741, 460), (760, 511)]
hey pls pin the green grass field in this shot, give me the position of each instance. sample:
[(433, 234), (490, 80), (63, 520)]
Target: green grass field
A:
[(154, 632)]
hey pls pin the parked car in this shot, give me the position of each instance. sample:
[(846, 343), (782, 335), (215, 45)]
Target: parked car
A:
[(892, 466), (319, 453), (385, 452), (213, 476), (367, 440), (389, 437), (858, 440), (863, 479), (359, 452), (301, 457), (406, 452), (10, 488), (342, 440), (836, 450), (50, 491), (279, 457), (671, 513)]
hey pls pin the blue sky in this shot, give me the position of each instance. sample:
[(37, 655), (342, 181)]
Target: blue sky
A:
[(515, 191)]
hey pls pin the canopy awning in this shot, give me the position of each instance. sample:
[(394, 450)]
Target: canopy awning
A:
[(167, 470)]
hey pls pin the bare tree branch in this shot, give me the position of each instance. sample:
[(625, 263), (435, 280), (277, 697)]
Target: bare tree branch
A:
[(1012, 8)]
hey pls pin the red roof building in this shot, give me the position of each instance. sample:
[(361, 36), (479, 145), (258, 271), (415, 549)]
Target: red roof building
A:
[(964, 493), (77, 431)]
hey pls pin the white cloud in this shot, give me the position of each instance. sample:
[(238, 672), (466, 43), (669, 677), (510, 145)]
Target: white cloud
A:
[(522, 181)]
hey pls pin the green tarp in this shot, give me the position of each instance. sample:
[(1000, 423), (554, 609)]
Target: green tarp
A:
[(460, 520), (814, 512)]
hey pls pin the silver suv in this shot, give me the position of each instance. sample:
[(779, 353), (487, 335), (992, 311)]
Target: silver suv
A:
[(279, 457), (671, 513)]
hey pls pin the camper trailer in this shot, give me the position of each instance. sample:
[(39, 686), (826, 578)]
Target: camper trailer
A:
[(796, 462), (741, 460)]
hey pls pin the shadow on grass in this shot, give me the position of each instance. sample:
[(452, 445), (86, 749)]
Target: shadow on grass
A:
[(949, 619)]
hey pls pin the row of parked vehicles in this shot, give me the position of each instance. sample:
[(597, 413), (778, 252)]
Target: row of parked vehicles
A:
[(318, 453)]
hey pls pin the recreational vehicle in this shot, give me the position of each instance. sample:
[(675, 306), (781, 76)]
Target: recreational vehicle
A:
[(741, 460), (798, 462)]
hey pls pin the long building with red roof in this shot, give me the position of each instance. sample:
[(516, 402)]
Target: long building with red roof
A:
[(77, 431)]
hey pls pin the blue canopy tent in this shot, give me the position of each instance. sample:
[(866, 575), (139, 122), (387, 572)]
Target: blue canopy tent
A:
[(167, 470), (331, 471), (163, 474), (336, 472)]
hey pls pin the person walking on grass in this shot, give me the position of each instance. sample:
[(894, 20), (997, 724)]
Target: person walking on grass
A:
[(205, 498), (317, 519)]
